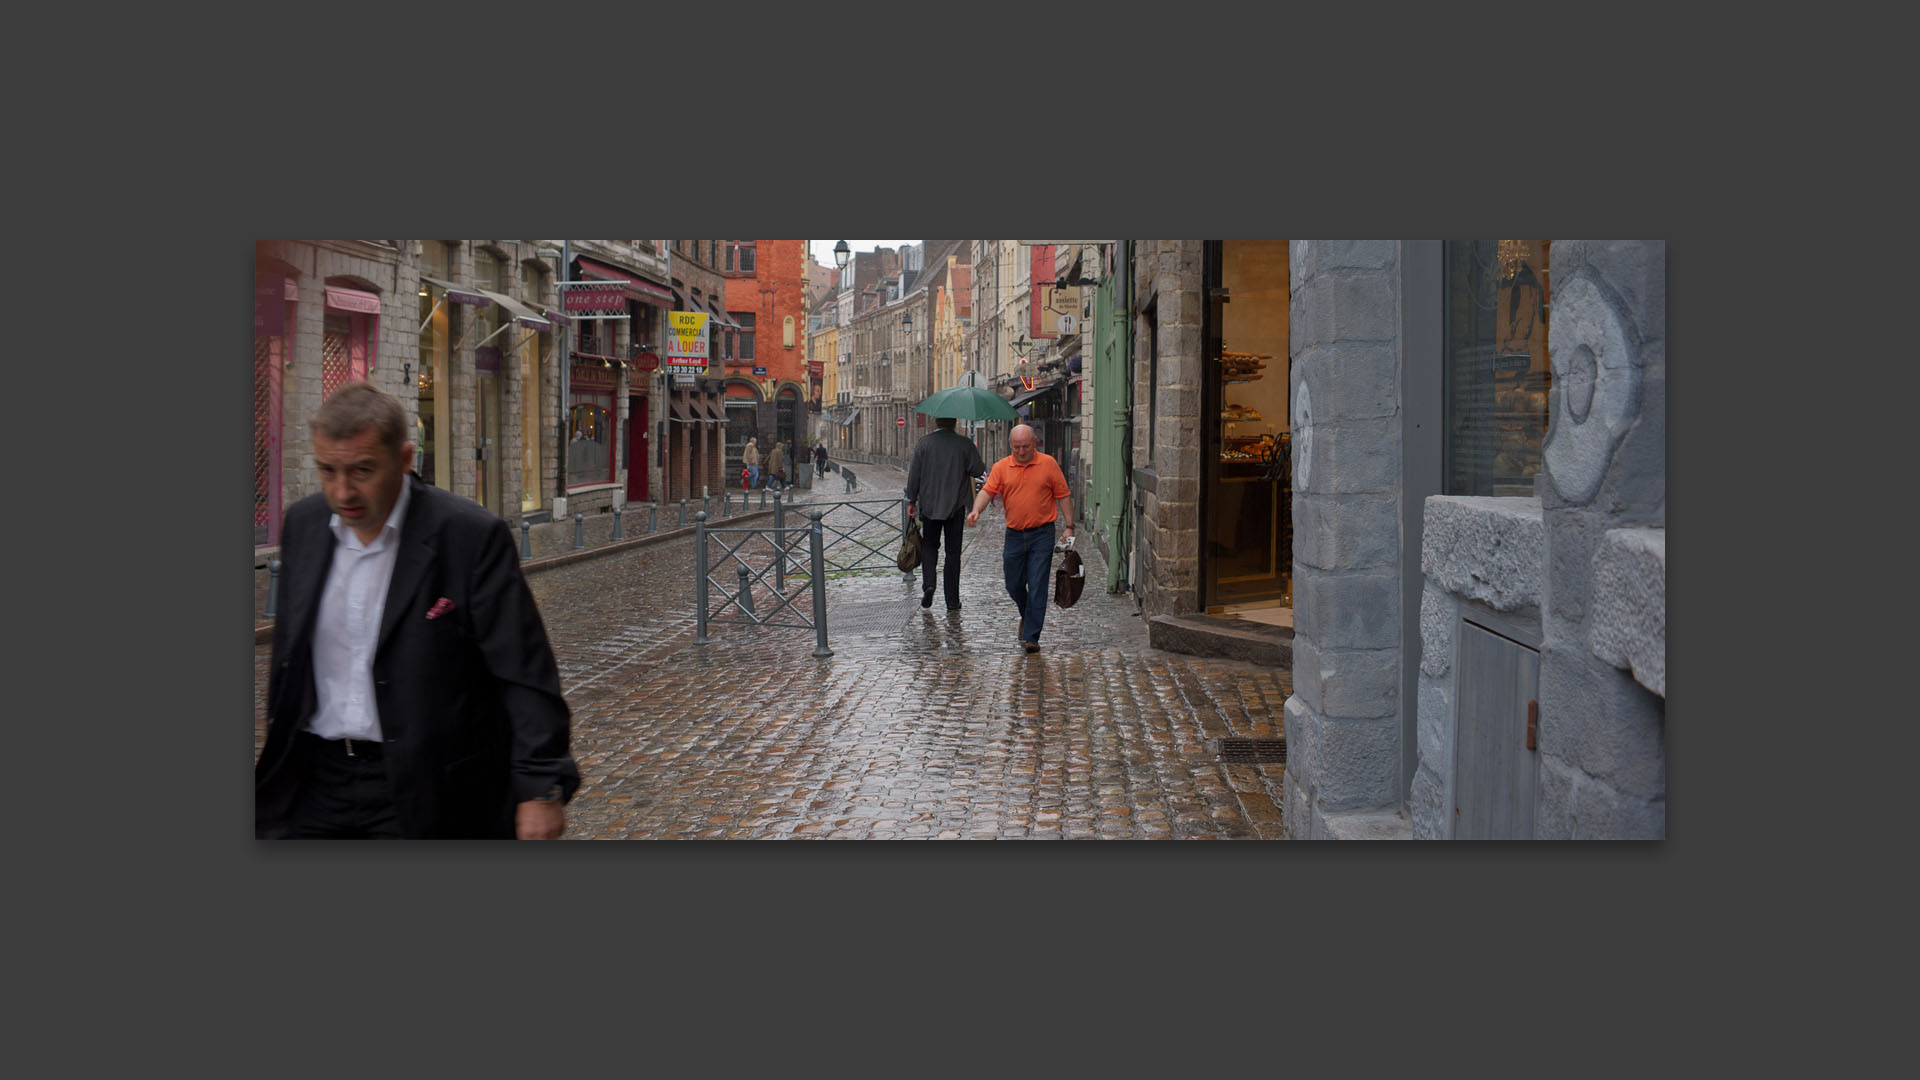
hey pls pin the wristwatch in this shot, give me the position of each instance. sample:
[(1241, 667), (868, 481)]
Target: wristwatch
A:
[(552, 794)]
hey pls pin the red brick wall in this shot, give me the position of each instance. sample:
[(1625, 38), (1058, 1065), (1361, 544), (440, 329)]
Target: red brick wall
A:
[(774, 291)]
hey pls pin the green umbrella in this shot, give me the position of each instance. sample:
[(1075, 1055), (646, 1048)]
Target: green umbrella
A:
[(967, 403)]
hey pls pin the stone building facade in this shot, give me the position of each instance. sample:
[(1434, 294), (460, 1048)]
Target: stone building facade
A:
[(1478, 624), (461, 331)]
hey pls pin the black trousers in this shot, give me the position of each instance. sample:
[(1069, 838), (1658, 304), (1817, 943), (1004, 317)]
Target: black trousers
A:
[(953, 528), (343, 797)]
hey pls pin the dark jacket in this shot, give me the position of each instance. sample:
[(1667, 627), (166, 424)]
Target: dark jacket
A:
[(937, 475), (469, 702)]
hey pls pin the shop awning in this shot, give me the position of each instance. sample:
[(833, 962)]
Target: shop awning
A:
[(1022, 398), (355, 300), (456, 293), (720, 317), (851, 417), (521, 313), (638, 288)]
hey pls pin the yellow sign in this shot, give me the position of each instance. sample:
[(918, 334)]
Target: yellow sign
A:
[(687, 325), (687, 350)]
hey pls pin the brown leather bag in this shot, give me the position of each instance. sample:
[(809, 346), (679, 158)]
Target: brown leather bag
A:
[(1069, 578)]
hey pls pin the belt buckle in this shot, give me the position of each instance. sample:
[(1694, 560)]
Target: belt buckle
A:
[(349, 745)]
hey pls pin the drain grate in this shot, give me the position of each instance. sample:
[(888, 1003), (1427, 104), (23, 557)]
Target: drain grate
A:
[(1250, 751)]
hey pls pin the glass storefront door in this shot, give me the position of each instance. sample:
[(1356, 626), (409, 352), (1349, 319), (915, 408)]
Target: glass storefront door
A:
[(1247, 544)]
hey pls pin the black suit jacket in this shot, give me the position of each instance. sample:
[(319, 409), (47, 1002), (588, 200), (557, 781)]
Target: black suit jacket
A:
[(469, 702)]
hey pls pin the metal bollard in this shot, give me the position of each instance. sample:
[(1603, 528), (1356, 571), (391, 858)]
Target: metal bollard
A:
[(746, 588), (616, 521), (683, 511), (700, 580), (653, 514), (579, 530), (526, 539), (726, 504), (273, 586), (763, 498), (816, 557), (779, 545)]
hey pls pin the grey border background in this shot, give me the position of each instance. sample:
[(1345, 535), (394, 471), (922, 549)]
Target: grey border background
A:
[(168, 917)]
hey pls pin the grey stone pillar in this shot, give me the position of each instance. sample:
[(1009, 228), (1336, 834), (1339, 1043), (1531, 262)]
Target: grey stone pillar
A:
[(1343, 722)]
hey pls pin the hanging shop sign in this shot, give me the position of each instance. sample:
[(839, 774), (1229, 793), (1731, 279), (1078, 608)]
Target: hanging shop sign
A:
[(608, 299), (687, 333)]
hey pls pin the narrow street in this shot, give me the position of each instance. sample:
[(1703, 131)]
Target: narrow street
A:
[(924, 723)]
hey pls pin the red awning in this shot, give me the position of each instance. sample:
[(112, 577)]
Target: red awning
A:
[(640, 289)]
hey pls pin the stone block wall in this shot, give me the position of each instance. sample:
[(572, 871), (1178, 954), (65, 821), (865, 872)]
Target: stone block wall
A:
[(1343, 721), (1478, 555), (1603, 492), (1167, 275), (395, 339)]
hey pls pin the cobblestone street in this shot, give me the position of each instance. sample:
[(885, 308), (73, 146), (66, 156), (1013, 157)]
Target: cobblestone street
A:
[(924, 723)]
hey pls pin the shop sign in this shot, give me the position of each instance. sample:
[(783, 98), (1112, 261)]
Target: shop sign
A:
[(683, 380), (687, 342), (608, 299)]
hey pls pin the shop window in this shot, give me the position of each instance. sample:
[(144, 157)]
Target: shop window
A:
[(1496, 301), (590, 426)]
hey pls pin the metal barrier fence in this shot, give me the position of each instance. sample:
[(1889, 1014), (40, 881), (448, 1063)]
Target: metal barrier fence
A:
[(774, 548), (765, 560)]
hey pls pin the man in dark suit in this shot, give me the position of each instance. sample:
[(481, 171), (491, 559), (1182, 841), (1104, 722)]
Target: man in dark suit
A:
[(938, 489), (413, 692)]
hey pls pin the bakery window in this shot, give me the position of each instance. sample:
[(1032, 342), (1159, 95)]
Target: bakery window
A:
[(1497, 298)]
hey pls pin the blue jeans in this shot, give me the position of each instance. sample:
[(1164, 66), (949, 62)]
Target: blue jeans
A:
[(753, 476), (1028, 563)]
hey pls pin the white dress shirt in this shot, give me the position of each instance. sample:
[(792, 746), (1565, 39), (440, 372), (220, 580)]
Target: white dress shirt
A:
[(349, 624)]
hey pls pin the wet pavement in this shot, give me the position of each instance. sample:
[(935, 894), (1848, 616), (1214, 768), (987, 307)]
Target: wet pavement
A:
[(924, 723)]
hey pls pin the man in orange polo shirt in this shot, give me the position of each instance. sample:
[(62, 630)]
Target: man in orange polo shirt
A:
[(1028, 483)]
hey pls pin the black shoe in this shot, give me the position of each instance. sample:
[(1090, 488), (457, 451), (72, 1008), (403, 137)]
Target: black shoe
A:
[(1032, 646), (926, 597), (955, 606)]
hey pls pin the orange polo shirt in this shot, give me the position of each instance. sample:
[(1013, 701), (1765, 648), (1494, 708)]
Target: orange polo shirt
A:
[(1027, 491)]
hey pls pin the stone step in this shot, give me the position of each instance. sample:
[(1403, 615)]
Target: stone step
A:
[(1232, 639)]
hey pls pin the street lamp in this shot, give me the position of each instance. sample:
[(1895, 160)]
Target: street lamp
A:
[(840, 254)]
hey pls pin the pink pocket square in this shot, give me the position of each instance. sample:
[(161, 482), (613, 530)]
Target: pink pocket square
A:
[(440, 607)]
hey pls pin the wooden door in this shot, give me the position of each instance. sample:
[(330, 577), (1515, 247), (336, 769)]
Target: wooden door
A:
[(1495, 771)]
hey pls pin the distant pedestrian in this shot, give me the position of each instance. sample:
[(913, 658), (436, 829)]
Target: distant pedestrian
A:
[(413, 692), (1029, 484), (750, 457), (777, 467), (819, 460), (938, 485)]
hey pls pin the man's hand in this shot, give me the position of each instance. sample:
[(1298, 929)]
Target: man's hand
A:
[(973, 518), (536, 820), (910, 510)]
